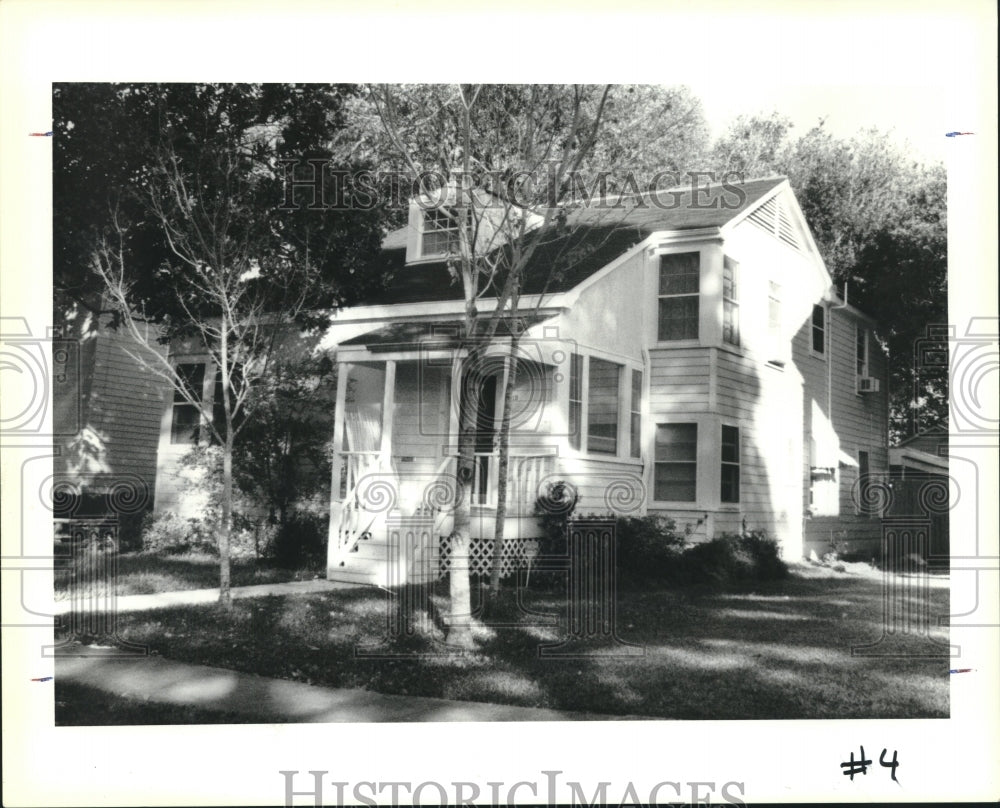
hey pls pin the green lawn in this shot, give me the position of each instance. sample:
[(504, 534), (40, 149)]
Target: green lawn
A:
[(146, 573), (775, 650)]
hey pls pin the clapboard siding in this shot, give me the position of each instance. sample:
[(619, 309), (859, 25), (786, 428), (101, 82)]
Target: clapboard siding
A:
[(679, 377), (122, 412)]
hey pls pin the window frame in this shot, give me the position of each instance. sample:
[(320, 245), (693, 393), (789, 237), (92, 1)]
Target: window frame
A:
[(575, 402), (731, 303), (635, 414), (823, 329), (861, 346), (439, 214), (725, 464), (616, 398), (180, 403), (673, 462), (661, 297)]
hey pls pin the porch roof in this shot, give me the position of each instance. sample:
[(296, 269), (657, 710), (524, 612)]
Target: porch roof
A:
[(438, 334)]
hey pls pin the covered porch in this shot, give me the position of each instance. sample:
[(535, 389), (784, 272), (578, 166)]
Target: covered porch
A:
[(395, 450)]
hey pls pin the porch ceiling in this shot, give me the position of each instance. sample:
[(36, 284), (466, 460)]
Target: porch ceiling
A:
[(439, 334)]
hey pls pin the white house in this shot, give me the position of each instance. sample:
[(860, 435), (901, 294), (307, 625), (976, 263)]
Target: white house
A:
[(691, 359)]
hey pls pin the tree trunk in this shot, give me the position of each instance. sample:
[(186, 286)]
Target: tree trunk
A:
[(225, 593), (460, 617), (503, 463)]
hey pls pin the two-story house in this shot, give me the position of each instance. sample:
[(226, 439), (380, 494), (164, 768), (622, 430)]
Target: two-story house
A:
[(692, 359)]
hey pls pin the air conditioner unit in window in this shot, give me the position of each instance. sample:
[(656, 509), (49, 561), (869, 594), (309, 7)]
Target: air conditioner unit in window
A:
[(867, 385)]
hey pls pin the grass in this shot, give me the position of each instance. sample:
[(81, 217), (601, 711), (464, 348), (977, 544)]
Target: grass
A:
[(146, 573), (81, 706), (776, 650)]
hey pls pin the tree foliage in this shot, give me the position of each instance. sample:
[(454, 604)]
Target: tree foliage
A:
[(878, 217), (171, 197)]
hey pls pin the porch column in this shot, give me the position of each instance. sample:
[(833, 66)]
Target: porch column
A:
[(388, 398), (340, 402)]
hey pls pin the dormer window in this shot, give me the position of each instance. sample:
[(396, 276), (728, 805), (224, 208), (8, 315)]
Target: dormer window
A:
[(439, 233)]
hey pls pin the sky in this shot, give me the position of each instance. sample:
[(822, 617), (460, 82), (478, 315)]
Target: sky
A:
[(916, 117)]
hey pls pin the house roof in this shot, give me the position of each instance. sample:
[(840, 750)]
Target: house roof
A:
[(437, 334), (568, 252)]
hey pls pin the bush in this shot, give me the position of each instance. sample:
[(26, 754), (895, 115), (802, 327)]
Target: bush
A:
[(649, 548), (301, 541), (168, 533), (731, 559)]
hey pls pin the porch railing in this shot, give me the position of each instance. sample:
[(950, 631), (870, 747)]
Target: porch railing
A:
[(360, 470)]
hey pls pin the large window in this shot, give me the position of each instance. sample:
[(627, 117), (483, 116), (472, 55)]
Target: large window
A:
[(185, 425), (678, 297), (635, 409), (602, 407), (730, 464), (675, 467), (575, 399), (440, 232), (730, 302), (819, 330)]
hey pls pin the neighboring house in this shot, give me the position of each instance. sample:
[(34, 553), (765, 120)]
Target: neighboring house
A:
[(691, 360), (106, 421), (920, 488)]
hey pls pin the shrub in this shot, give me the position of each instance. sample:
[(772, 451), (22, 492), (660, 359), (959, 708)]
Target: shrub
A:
[(733, 558), (300, 541), (168, 533), (649, 548)]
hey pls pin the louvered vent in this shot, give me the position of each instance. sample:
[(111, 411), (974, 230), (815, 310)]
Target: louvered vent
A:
[(773, 216)]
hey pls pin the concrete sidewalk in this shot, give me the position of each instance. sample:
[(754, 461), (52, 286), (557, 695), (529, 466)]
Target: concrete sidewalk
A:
[(272, 700), (191, 597)]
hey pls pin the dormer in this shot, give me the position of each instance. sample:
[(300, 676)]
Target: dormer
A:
[(432, 231)]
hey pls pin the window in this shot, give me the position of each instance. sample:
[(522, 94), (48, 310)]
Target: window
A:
[(730, 464), (185, 425), (730, 302), (774, 314), (679, 285), (675, 463), (602, 407), (219, 406), (819, 330), (635, 424), (440, 234), (575, 399), (861, 351)]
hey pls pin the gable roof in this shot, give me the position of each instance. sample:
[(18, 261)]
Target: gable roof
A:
[(589, 238)]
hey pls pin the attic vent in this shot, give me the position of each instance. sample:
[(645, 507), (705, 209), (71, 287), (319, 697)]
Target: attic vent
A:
[(773, 217)]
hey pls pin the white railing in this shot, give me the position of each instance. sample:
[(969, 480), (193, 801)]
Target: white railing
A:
[(524, 474), (354, 519)]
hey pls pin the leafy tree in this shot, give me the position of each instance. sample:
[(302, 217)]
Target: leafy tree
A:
[(878, 218), (182, 223)]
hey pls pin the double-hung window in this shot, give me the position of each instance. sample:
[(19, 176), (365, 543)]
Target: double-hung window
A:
[(602, 406), (861, 351), (185, 424), (678, 296), (635, 411), (675, 466), (730, 464), (575, 400), (819, 330), (730, 302)]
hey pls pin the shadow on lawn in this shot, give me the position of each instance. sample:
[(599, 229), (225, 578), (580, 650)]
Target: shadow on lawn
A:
[(778, 650)]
